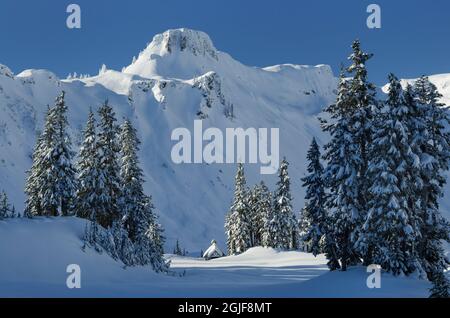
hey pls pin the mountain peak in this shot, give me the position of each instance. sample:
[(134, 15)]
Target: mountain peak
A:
[(196, 42), (182, 40), (182, 53)]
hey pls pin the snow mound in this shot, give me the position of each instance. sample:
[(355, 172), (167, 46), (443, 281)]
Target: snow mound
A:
[(213, 251), (35, 254), (37, 75)]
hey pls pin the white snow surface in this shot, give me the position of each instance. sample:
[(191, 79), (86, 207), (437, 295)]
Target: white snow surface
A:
[(36, 253)]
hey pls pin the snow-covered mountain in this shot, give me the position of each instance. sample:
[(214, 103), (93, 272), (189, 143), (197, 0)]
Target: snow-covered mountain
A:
[(442, 82), (178, 78)]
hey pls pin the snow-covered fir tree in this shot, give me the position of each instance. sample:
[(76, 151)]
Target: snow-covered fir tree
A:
[(434, 157), (440, 287), (287, 236), (268, 227), (131, 177), (51, 183), (342, 179), (237, 225), (177, 249), (150, 238), (418, 137), (254, 205), (329, 245), (6, 209), (32, 188), (304, 224), (364, 108), (389, 234), (351, 132), (313, 216), (114, 241), (109, 190), (124, 247), (139, 217), (87, 200), (98, 238)]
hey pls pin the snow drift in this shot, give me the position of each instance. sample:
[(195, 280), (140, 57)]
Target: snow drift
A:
[(35, 255)]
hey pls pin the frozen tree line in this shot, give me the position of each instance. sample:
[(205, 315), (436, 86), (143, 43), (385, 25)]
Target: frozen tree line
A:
[(104, 185), (258, 217), (377, 199)]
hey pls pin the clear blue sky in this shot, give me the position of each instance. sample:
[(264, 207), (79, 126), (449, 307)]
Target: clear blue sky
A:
[(414, 38)]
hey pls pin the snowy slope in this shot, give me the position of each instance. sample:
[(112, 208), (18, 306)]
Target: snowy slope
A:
[(260, 272), (178, 78)]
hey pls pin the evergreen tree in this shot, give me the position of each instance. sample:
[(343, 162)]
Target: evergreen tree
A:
[(238, 220), (124, 248), (131, 178), (441, 286), (313, 218), (6, 210), (114, 241), (265, 216), (353, 115), (177, 249), (14, 214), (342, 174), (150, 238), (364, 108), (88, 199), (285, 220), (108, 171), (139, 217), (328, 244), (434, 157), (51, 184), (254, 204), (95, 237), (389, 234), (32, 187)]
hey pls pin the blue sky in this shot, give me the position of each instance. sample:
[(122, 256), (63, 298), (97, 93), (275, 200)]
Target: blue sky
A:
[(413, 40)]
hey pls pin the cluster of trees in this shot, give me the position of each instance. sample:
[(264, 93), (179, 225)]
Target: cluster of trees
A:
[(259, 218), (177, 250), (105, 186), (377, 199), (6, 209)]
